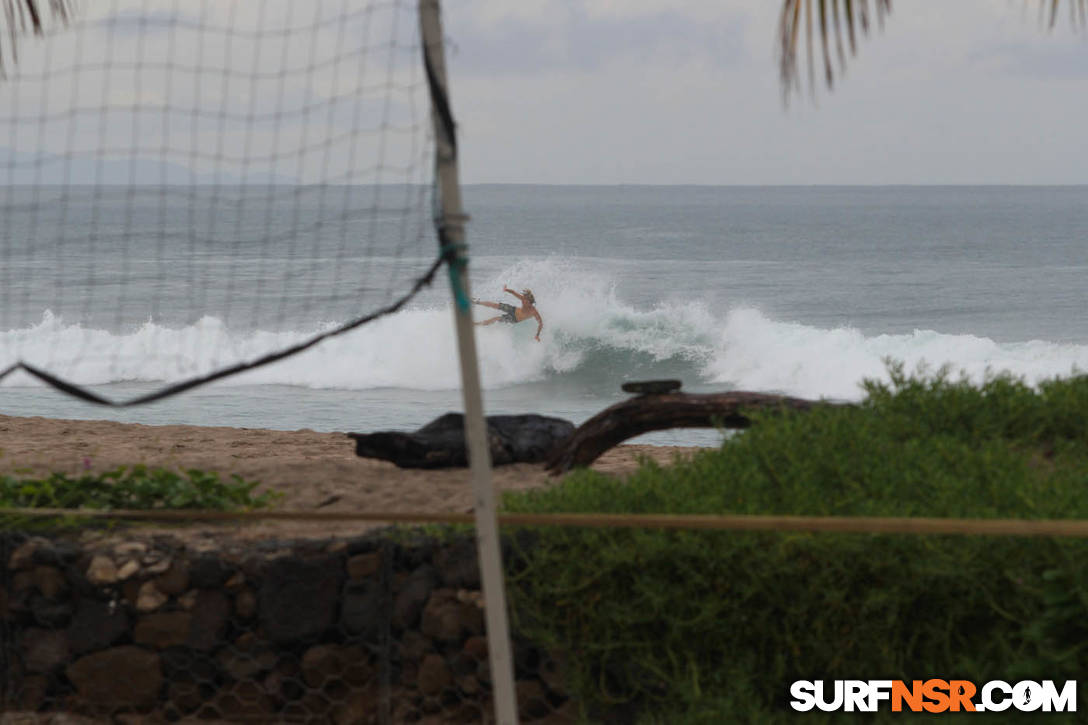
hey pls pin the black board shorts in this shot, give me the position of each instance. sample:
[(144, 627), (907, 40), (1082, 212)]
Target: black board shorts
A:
[(509, 313)]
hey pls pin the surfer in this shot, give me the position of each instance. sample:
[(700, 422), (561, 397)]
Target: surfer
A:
[(514, 315)]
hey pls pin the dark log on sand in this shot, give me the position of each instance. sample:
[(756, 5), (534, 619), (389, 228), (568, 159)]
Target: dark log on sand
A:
[(646, 413), (441, 443)]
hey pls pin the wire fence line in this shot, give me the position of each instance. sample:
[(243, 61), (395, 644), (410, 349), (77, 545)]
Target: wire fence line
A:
[(1074, 528)]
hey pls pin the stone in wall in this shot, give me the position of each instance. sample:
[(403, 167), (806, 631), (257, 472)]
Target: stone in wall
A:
[(97, 624), (299, 597), (413, 595), (125, 676)]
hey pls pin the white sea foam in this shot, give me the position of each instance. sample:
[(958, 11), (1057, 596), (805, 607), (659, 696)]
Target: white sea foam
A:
[(753, 352), (589, 332)]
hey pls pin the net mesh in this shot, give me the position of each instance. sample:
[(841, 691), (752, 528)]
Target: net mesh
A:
[(192, 187)]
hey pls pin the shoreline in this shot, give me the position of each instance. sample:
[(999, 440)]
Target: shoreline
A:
[(314, 471)]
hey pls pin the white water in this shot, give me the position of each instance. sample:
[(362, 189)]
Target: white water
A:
[(589, 332)]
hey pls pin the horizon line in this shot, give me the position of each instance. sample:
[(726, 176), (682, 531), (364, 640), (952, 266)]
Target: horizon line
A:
[(780, 185), (285, 184)]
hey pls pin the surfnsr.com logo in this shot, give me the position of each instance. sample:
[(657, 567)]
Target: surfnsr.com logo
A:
[(933, 696)]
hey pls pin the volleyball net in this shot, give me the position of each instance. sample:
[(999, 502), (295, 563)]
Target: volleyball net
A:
[(194, 189)]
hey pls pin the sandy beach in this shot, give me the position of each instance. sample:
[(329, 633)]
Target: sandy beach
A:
[(314, 471)]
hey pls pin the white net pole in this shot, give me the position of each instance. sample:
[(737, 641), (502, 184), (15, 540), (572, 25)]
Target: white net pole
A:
[(452, 236)]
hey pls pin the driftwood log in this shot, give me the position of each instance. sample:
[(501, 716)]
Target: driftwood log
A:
[(646, 413), (441, 443)]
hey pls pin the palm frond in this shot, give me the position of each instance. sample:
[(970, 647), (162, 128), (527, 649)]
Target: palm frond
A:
[(23, 17), (855, 15), (832, 15), (1078, 14)]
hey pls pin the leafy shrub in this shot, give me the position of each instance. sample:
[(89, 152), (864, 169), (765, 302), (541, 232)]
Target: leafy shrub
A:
[(711, 625), (138, 487)]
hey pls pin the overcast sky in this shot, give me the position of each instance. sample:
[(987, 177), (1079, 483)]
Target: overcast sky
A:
[(551, 91), (687, 91)]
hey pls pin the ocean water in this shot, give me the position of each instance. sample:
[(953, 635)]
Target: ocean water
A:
[(799, 290)]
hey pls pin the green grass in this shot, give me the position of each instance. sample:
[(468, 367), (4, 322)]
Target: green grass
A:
[(136, 487), (689, 626)]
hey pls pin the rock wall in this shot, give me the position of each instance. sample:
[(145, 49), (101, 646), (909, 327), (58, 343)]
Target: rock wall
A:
[(370, 630)]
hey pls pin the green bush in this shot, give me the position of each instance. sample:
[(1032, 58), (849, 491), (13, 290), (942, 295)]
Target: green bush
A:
[(694, 626), (138, 487)]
